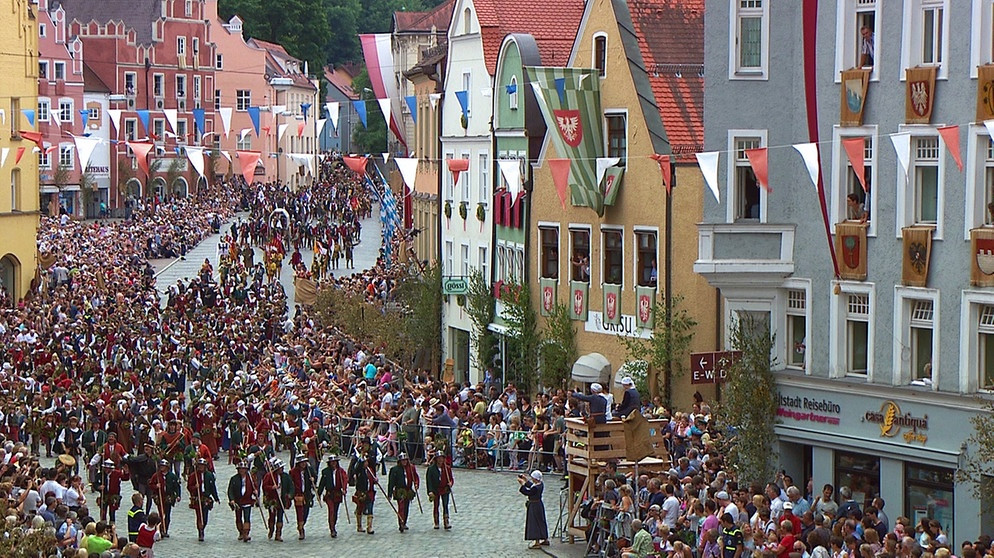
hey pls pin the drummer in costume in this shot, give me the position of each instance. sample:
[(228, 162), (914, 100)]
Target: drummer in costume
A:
[(202, 486), (277, 490), (303, 492), (334, 485), (242, 496), (439, 481), (403, 486), (164, 489)]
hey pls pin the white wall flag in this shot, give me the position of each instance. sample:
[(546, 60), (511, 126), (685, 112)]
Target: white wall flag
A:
[(989, 124), (408, 169), (321, 123), (225, 113), (53, 117), (333, 113), (809, 153), (171, 118), (243, 133), (196, 157), (386, 156), (226, 155), (3, 155), (85, 147), (280, 130), (602, 165), (115, 118), (385, 109), (709, 168), (902, 146), (511, 171), (434, 98)]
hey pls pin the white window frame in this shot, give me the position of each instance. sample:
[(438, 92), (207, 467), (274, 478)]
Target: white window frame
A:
[(977, 164), (840, 173), (847, 34), (181, 130), (981, 35), (130, 129), (219, 61), (590, 249), (466, 186), (181, 46), (42, 30), (620, 229), (540, 265), (243, 99), (197, 88), (972, 303), (44, 109), (67, 157), (512, 99), (158, 85), (133, 78), (593, 53), (44, 160), (838, 358), (181, 86), (449, 248), (643, 229), (623, 112), (450, 185), (905, 188), (735, 12), (67, 105), (484, 161), (802, 286), (59, 67), (911, 37), (483, 262), (465, 259), (159, 128), (43, 68), (756, 303), (904, 299), (467, 83), (730, 205), (244, 144)]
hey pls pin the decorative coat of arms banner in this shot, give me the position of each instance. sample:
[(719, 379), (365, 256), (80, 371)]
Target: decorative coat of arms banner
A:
[(854, 85), (548, 294), (850, 250), (982, 257), (611, 184), (612, 304), (985, 92), (917, 251), (578, 300), (570, 102), (645, 304), (920, 96)]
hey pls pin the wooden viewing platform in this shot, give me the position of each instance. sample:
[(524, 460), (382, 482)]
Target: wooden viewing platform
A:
[(588, 450)]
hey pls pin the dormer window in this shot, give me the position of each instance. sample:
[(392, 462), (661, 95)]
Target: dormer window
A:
[(467, 21), (600, 54), (513, 95)]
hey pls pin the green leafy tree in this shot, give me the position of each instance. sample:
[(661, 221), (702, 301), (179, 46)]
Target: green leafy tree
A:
[(61, 175), (344, 17), (124, 175), (749, 403), (422, 294), (173, 173), (300, 26), (523, 339), (977, 470), (666, 351), (559, 350), (87, 188), (480, 307), (372, 138)]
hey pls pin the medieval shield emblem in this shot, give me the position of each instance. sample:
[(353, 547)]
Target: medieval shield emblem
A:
[(578, 301), (570, 127), (645, 308), (850, 250), (611, 308), (854, 95), (608, 184), (921, 97), (547, 298), (985, 255)]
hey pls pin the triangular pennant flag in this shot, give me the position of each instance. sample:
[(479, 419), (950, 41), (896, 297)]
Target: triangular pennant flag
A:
[(665, 170), (457, 166), (989, 124), (333, 109), (115, 118), (143, 116), (709, 168), (463, 98), (561, 89), (511, 171), (300, 128), (267, 129), (51, 149), (758, 160), (280, 130), (225, 114), (277, 110), (53, 117), (408, 167), (200, 121), (4, 151), (854, 150), (950, 136), (172, 118), (196, 157), (85, 147), (243, 133), (560, 177), (902, 147), (304, 108), (84, 115), (321, 123), (602, 165), (434, 98), (386, 156), (511, 88), (385, 110), (809, 154), (412, 105), (249, 160), (254, 115), (360, 108), (30, 114), (17, 157), (226, 155), (357, 164), (141, 150), (36, 137)]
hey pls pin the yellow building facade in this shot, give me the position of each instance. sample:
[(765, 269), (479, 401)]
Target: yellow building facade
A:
[(633, 231), (18, 180)]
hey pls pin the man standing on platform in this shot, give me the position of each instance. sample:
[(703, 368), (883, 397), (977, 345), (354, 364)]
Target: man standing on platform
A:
[(241, 497), (333, 484), (303, 492), (202, 487), (164, 489), (403, 486), (439, 481)]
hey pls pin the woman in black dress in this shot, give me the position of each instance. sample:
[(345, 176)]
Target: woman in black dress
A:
[(536, 529)]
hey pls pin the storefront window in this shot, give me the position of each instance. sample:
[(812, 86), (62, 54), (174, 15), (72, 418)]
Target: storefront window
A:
[(861, 473), (929, 495)]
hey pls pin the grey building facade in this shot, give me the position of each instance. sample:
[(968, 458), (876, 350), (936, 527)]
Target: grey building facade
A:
[(878, 377)]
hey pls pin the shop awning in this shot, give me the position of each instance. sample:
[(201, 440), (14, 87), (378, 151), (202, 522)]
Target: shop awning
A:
[(591, 367)]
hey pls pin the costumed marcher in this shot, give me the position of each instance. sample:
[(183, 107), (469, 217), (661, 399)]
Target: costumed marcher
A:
[(536, 528), (277, 495), (334, 485), (303, 492), (363, 478), (164, 488), (202, 487), (439, 481), (403, 485), (110, 497), (241, 497)]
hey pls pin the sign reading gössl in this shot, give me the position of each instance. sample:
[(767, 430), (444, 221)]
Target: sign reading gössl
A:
[(455, 285)]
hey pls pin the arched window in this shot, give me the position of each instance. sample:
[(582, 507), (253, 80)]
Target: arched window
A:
[(15, 190), (467, 21), (600, 54), (513, 95)]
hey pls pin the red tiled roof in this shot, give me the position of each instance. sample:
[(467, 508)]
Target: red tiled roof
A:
[(423, 21), (272, 47), (553, 23), (671, 38), (341, 80)]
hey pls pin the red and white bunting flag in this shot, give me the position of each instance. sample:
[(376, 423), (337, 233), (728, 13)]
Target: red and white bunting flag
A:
[(141, 153), (457, 166), (809, 153), (758, 160), (709, 168), (357, 164), (560, 177), (249, 160), (665, 170), (854, 150), (950, 136)]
